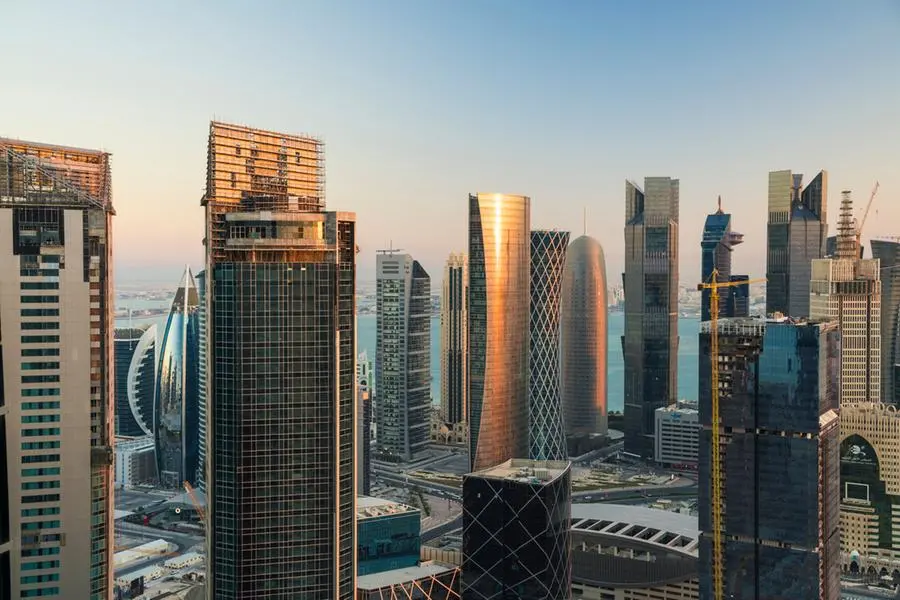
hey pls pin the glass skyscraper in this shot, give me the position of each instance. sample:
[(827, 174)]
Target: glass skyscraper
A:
[(650, 339), (887, 251), (135, 350), (56, 372), (546, 432), (281, 354), (454, 336), (499, 297), (779, 432), (402, 357), (716, 247), (201, 381)]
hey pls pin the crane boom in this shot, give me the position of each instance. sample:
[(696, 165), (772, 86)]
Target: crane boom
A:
[(715, 465), (865, 216), (190, 490)]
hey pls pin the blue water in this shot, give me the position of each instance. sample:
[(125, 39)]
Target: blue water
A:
[(688, 353)]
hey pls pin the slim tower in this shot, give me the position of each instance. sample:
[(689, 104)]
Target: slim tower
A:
[(499, 296), (135, 350), (56, 372), (454, 336), (887, 251), (201, 381), (716, 247), (650, 340), (402, 357), (281, 352)]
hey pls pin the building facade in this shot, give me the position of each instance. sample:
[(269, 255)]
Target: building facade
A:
[(388, 535), (177, 421), (650, 339), (402, 357), (677, 435), (582, 340), (547, 438), (200, 279), (516, 531), (887, 252), (281, 421), (716, 247), (364, 396), (848, 289), (57, 396), (425, 581), (454, 339), (499, 298), (797, 231), (779, 432), (135, 461), (135, 353)]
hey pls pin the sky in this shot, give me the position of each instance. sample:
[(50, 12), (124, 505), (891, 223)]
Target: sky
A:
[(421, 102)]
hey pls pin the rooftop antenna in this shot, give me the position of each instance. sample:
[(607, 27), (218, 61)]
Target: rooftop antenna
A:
[(719, 212), (390, 251), (584, 220)]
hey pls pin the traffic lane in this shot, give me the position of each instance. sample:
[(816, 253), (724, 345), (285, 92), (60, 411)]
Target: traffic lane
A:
[(185, 540)]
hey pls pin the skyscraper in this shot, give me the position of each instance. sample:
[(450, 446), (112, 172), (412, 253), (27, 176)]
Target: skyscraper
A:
[(546, 432), (779, 432), (499, 297), (797, 232), (582, 340), (716, 247), (201, 381), (135, 350), (454, 335), (650, 340), (887, 252), (365, 394), (848, 289), (177, 388), (56, 372), (402, 357), (281, 421), (517, 539)]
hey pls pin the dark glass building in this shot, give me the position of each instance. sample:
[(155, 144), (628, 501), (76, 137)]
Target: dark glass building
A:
[(281, 354), (201, 381), (888, 253), (517, 540), (177, 417), (716, 247), (796, 235), (780, 462), (388, 535), (650, 339), (135, 349), (454, 339), (547, 436)]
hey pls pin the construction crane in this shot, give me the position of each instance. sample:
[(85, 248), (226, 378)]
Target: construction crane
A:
[(715, 465), (190, 491), (862, 222)]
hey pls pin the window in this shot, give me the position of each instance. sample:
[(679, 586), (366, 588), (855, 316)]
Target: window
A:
[(40, 351), (39, 458), (39, 285), (35, 500), (40, 325), (53, 405), (40, 445), (41, 392), (40, 378), (49, 591), (39, 299), (40, 418), (39, 312), (41, 431), (40, 512), (39, 366), (40, 485), (40, 339), (43, 564)]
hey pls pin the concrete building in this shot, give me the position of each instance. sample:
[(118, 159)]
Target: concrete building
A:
[(797, 232), (388, 535), (135, 461), (402, 357), (135, 352), (498, 340), (887, 251), (848, 289), (716, 248), (56, 372), (633, 553), (650, 339), (454, 339), (677, 440), (281, 353), (547, 438)]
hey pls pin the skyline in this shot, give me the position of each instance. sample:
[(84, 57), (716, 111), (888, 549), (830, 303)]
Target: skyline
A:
[(390, 81)]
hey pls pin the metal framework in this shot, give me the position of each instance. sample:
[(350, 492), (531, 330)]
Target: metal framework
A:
[(431, 587)]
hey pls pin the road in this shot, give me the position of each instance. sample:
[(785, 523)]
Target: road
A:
[(182, 540)]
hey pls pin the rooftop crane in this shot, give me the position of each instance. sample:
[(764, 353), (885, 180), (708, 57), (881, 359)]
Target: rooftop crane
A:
[(190, 490), (715, 465), (865, 216)]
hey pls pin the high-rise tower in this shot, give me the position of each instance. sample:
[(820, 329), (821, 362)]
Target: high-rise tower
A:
[(546, 432), (650, 340), (716, 247), (201, 381), (135, 350), (848, 289), (582, 341), (56, 372), (499, 288), (887, 252), (797, 233), (281, 419), (402, 357), (454, 335)]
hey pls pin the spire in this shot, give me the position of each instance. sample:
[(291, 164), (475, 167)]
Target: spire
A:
[(719, 212), (846, 237)]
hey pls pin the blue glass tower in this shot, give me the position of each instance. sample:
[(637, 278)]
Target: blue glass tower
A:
[(177, 389), (716, 248)]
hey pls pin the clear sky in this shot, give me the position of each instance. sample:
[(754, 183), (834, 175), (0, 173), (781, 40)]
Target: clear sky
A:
[(421, 102)]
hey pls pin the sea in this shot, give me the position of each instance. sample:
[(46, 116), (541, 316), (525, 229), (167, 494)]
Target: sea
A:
[(688, 352)]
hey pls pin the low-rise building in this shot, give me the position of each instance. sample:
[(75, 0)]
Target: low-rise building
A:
[(677, 435), (135, 461), (388, 535), (446, 433), (426, 581)]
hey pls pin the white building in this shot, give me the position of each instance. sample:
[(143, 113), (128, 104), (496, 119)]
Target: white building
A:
[(184, 560), (848, 289), (677, 434), (135, 461)]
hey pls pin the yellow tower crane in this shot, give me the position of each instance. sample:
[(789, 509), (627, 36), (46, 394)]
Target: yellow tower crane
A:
[(197, 506), (715, 463)]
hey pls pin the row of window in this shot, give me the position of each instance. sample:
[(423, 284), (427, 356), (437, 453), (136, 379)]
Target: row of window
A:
[(43, 564), (39, 366), (41, 392), (40, 351), (37, 499), (39, 285), (40, 339), (39, 312), (40, 405), (49, 591), (40, 325), (40, 512), (39, 458), (40, 378), (35, 525), (40, 418), (40, 445), (40, 299), (39, 273), (40, 431)]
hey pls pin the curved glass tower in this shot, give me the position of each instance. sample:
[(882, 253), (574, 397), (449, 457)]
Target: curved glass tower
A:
[(548, 255), (135, 379), (583, 371), (177, 416), (499, 282)]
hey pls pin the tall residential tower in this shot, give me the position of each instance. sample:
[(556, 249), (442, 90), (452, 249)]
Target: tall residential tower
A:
[(454, 336), (650, 340), (56, 372), (281, 344)]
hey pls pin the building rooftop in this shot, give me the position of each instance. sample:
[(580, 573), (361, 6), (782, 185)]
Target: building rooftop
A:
[(525, 470), (377, 581), (368, 507), (661, 528), (680, 408)]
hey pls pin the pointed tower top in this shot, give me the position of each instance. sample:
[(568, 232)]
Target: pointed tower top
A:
[(846, 237), (719, 212)]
